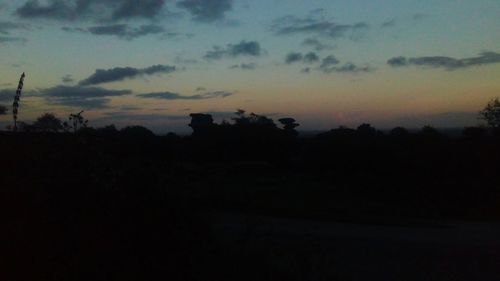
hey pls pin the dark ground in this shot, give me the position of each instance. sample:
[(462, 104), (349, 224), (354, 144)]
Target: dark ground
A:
[(341, 206)]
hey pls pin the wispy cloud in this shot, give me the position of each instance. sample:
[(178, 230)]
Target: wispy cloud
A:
[(448, 63), (121, 73), (244, 48), (91, 10), (79, 96), (12, 39), (176, 96), (207, 10), (290, 25), (122, 31), (6, 27)]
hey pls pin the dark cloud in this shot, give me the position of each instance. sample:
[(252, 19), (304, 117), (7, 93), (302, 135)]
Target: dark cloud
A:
[(176, 35), (138, 9), (81, 92), (207, 10), (293, 57), (389, 23), (67, 79), (446, 62), (397, 61), (317, 44), (328, 63), (311, 57), (10, 39), (121, 73), (244, 66), (53, 10), (95, 10), (244, 48), (78, 96), (352, 68), (291, 25), (122, 31), (176, 96), (6, 27)]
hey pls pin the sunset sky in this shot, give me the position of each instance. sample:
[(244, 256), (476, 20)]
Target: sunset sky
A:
[(325, 63)]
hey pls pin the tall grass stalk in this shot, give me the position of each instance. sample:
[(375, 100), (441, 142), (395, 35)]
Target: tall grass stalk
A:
[(15, 104)]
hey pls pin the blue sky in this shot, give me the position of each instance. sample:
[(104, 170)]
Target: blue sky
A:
[(325, 63)]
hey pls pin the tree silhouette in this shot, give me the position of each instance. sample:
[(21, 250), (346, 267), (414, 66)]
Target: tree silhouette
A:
[(48, 122), (137, 132), (201, 123), (3, 110), (108, 130), (491, 113), (399, 132), (366, 130), (76, 122), (289, 126)]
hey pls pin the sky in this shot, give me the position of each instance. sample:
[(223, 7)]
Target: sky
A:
[(325, 63)]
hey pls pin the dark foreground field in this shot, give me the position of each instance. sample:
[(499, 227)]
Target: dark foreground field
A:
[(341, 206)]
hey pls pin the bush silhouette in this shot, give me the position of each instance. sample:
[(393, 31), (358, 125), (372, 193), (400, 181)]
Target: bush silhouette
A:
[(201, 124), (491, 113), (48, 122), (136, 132)]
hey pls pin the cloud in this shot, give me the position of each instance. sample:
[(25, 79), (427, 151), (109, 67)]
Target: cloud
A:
[(67, 79), (244, 66), (352, 68), (78, 96), (291, 25), (94, 10), (446, 62), (122, 31), (293, 57), (328, 62), (134, 9), (244, 48), (389, 23), (6, 27), (9, 39), (311, 57), (176, 96), (54, 10), (121, 73), (206, 11), (317, 44)]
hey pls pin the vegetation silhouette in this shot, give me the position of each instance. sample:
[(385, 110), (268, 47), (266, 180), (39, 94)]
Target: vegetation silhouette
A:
[(491, 113), (75, 122), (48, 122), (17, 99), (3, 110), (130, 205)]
